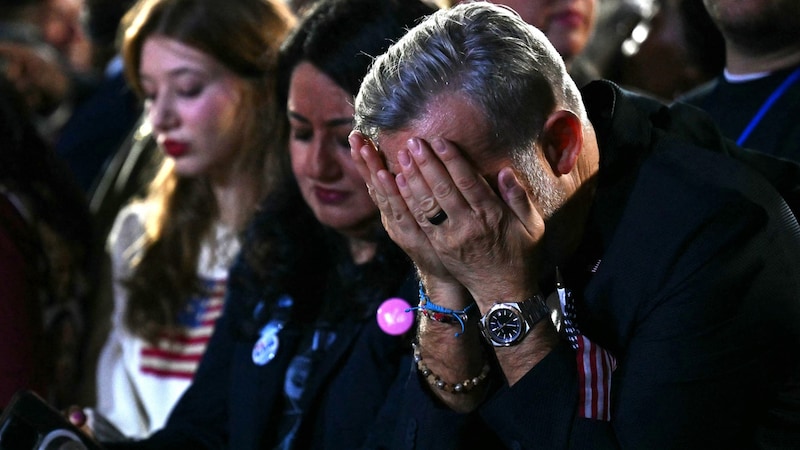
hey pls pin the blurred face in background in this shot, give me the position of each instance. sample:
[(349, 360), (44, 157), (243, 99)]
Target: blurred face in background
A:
[(320, 120), (567, 23), (757, 25), (61, 28), (192, 102), (679, 53)]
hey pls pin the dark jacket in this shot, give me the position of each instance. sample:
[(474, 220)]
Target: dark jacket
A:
[(234, 403), (688, 274)]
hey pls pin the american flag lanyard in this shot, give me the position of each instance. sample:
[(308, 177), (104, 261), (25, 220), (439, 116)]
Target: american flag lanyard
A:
[(595, 364)]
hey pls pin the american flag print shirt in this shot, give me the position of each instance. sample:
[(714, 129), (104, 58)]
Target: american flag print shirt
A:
[(179, 354)]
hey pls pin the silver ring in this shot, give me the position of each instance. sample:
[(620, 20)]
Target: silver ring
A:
[(438, 218)]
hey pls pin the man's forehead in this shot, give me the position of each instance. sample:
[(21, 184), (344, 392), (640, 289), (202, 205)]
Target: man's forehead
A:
[(450, 117)]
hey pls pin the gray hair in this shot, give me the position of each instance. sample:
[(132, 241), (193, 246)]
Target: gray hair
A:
[(506, 67)]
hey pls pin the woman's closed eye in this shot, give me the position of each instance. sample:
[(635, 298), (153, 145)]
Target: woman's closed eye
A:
[(301, 134), (190, 90)]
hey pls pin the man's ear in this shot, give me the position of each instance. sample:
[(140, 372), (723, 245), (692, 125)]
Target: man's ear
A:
[(562, 141)]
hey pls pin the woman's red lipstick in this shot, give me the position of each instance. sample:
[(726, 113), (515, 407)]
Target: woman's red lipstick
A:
[(329, 196), (175, 149)]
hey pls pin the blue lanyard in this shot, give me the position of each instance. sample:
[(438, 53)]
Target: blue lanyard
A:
[(768, 104)]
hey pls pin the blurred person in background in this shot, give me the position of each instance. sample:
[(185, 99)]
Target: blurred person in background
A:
[(756, 98), (45, 238), (62, 28), (568, 24), (672, 47), (101, 121), (44, 54), (207, 77)]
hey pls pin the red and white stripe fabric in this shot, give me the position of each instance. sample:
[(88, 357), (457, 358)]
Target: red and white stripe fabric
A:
[(595, 366), (179, 354)]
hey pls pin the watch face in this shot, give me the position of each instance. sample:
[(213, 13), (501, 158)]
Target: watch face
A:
[(505, 325)]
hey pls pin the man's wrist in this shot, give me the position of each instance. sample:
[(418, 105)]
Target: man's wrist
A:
[(446, 292), (518, 360), (506, 324)]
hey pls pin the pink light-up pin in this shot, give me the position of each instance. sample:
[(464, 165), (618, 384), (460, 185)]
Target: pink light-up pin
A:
[(393, 317)]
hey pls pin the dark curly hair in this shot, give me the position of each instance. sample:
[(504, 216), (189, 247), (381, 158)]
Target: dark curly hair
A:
[(342, 37), (287, 250)]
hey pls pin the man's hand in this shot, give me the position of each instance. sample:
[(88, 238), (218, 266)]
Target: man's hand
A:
[(488, 243), (399, 222)]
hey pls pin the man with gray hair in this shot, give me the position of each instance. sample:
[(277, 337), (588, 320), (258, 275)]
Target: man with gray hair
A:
[(597, 270)]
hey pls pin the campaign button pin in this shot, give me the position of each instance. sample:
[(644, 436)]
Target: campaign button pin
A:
[(394, 316)]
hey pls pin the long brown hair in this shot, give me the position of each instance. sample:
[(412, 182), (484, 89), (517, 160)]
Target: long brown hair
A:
[(243, 35)]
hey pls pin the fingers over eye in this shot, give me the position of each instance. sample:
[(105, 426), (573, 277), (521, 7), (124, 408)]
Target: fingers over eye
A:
[(472, 187), (430, 190)]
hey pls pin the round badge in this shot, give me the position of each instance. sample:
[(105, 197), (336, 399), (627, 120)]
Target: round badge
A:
[(266, 347), (394, 316)]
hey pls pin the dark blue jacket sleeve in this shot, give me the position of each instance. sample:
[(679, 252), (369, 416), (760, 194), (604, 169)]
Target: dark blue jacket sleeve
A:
[(421, 422)]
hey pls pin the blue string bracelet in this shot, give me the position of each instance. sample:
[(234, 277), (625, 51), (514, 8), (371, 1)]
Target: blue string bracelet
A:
[(440, 313)]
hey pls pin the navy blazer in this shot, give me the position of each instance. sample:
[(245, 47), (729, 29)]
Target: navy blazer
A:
[(688, 274), (354, 394), (234, 403)]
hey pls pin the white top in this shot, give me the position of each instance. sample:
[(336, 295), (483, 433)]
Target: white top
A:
[(138, 383)]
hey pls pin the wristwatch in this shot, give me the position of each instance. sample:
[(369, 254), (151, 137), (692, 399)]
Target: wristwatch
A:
[(506, 324)]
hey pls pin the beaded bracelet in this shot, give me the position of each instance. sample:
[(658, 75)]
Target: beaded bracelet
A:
[(434, 380), (440, 313)]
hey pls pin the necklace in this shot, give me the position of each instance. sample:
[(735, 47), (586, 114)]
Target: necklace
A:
[(776, 94)]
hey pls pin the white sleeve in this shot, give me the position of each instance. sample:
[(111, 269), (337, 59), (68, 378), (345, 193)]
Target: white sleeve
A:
[(118, 398)]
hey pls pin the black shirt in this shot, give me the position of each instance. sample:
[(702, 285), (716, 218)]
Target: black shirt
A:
[(734, 105)]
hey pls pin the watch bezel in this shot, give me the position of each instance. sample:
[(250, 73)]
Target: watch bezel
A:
[(527, 314)]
